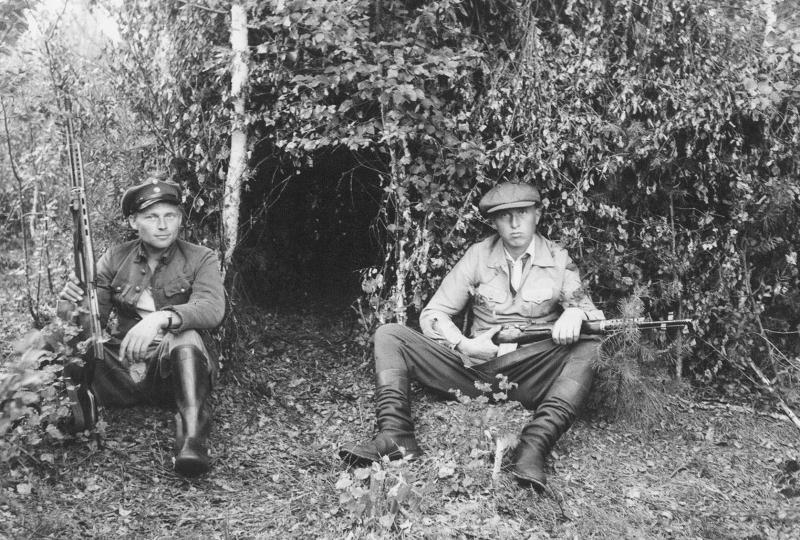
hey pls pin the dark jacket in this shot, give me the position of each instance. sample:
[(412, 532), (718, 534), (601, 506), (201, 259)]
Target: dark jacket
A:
[(187, 281)]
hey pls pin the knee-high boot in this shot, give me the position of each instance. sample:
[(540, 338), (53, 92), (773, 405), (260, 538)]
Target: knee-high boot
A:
[(83, 402), (395, 437), (552, 418), (192, 385)]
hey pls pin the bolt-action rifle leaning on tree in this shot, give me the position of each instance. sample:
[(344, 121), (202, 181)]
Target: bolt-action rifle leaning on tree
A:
[(536, 332), (79, 373)]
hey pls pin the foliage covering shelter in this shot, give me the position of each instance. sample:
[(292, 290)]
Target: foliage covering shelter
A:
[(664, 135)]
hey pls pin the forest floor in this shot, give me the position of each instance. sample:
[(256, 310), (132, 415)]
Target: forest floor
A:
[(302, 386)]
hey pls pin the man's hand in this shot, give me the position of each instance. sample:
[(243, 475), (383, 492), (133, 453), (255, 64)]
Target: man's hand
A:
[(481, 346), (72, 290), (135, 343), (567, 329)]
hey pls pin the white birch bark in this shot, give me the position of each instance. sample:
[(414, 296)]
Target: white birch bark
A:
[(237, 166), (34, 209), (771, 19)]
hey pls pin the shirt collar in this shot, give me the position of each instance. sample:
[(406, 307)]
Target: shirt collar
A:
[(531, 249), (538, 250)]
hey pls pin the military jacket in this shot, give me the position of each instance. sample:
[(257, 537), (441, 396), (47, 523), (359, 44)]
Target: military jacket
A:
[(187, 280), (550, 284)]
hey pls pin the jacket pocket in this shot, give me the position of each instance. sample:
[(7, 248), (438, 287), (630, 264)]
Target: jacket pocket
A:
[(121, 291), (490, 295), (178, 290), (537, 301), (537, 295)]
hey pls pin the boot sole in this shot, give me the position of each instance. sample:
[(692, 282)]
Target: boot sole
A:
[(354, 460), (84, 414), (191, 466), (526, 482)]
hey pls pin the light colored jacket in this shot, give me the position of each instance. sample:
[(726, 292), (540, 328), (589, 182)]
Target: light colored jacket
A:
[(550, 284)]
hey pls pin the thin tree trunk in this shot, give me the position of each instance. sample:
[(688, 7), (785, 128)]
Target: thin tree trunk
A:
[(32, 215), (678, 277), (237, 167), (32, 309)]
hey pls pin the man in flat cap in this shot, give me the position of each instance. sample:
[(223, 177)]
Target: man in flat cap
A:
[(513, 277), (163, 290)]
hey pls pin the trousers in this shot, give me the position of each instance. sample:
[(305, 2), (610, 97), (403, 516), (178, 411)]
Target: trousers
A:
[(114, 385), (533, 367)]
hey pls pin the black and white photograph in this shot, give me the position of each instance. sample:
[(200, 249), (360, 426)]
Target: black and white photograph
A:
[(400, 269)]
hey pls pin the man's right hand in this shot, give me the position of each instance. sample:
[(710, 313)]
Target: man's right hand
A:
[(72, 290), (481, 346)]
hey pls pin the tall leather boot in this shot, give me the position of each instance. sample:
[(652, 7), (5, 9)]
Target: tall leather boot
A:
[(395, 436), (192, 384), (82, 400), (551, 419)]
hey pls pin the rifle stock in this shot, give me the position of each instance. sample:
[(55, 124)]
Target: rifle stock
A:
[(537, 332)]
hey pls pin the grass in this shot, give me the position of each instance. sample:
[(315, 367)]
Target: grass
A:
[(299, 387)]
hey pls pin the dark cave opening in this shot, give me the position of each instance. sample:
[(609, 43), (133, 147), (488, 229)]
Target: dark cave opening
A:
[(308, 233)]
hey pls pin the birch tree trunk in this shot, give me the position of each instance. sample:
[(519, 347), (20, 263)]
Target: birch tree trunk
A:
[(34, 209), (771, 19), (237, 167)]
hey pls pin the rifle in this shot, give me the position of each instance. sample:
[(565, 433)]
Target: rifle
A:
[(84, 407), (513, 333)]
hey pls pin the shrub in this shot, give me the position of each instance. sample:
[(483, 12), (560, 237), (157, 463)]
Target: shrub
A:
[(34, 409), (661, 135)]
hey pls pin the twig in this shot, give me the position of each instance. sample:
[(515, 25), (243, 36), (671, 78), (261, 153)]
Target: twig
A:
[(677, 276), (502, 444), (768, 385), (706, 405), (676, 471), (85, 458), (25, 241), (31, 456), (555, 496), (204, 8), (750, 294), (761, 332)]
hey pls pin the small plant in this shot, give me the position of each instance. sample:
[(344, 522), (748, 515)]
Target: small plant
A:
[(487, 391), (628, 368), (385, 495), (493, 422), (34, 409)]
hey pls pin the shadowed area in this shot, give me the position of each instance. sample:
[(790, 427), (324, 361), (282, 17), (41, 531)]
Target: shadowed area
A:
[(308, 233)]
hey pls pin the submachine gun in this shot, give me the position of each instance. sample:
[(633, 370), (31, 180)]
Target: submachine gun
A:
[(536, 332), (81, 372)]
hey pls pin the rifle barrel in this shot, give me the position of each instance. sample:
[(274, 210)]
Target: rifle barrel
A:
[(83, 248), (537, 332)]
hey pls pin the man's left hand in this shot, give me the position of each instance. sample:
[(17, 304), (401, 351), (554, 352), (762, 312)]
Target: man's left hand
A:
[(135, 343), (567, 329)]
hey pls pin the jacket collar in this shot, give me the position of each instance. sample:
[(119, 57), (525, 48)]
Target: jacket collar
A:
[(542, 255), (141, 254)]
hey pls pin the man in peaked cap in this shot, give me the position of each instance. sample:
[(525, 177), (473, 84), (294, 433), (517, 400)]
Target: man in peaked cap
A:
[(163, 290), (513, 277)]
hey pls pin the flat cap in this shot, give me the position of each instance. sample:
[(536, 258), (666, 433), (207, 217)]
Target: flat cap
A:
[(148, 193), (509, 195)]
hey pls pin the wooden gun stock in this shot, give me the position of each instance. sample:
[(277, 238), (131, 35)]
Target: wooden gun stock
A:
[(537, 332)]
